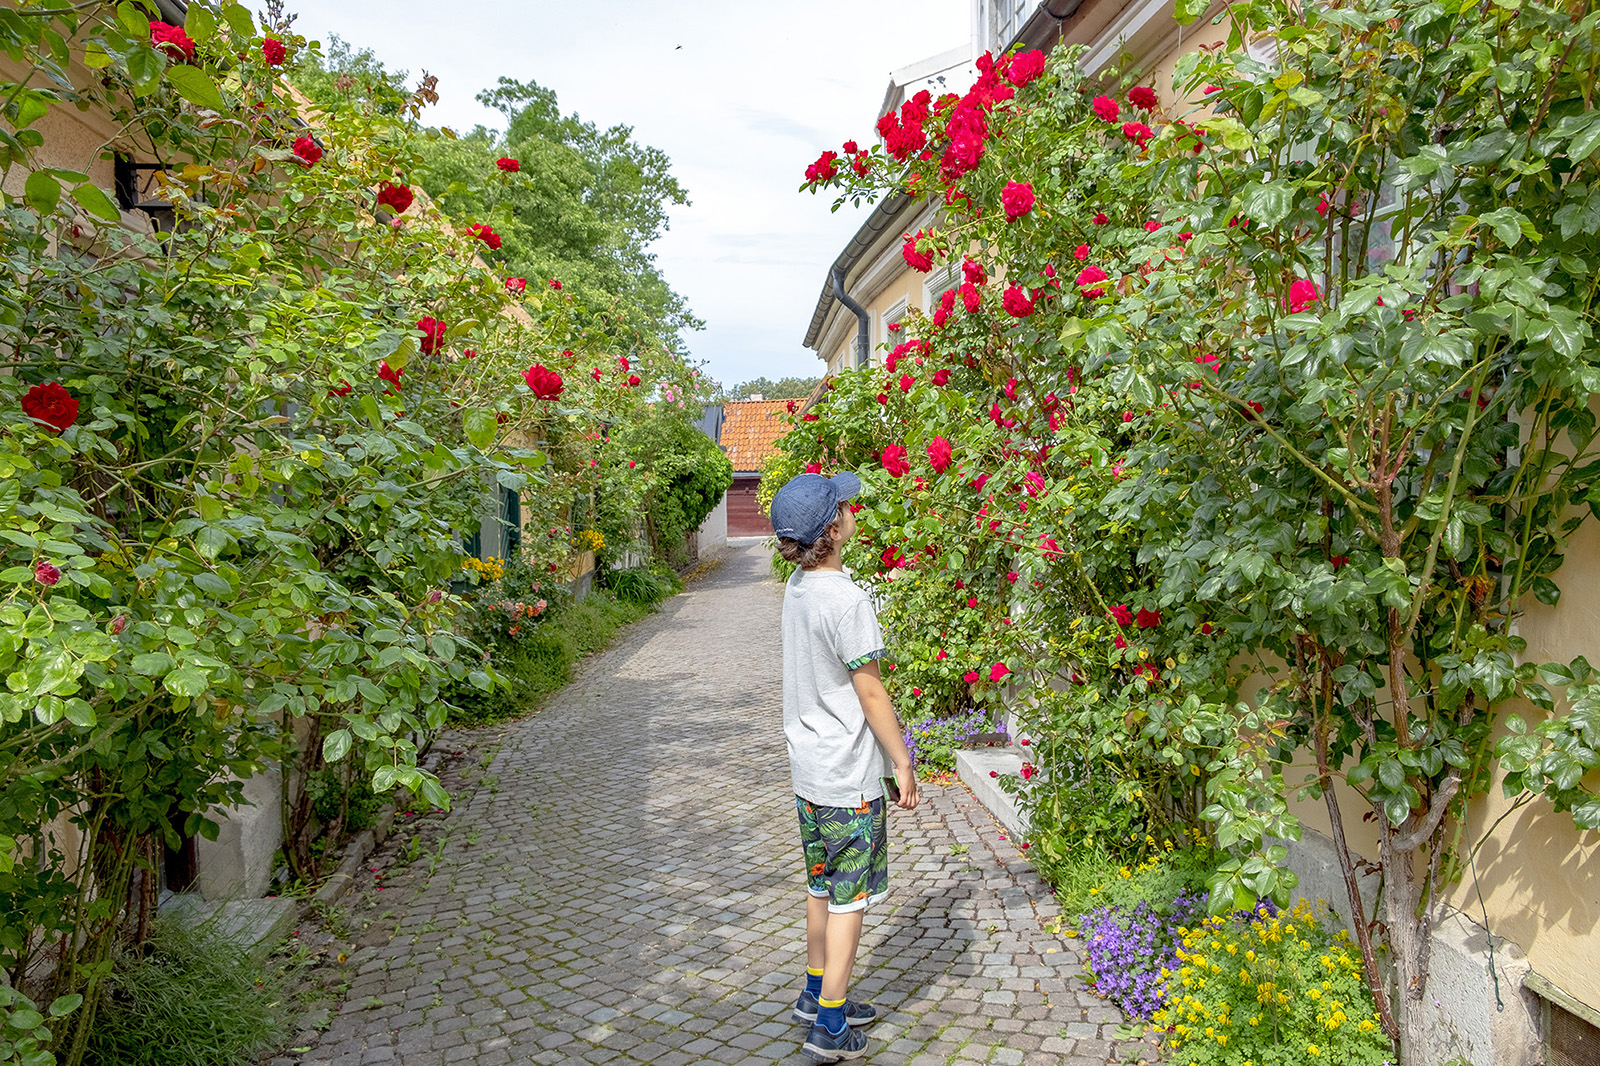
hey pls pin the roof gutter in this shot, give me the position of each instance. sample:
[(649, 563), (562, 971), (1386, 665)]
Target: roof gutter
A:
[(1046, 17), (885, 215)]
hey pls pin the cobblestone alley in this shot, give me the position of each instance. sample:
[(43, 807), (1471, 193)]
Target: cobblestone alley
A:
[(629, 891)]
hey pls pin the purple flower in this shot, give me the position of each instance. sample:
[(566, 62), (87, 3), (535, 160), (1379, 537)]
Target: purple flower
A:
[(1129, 948)]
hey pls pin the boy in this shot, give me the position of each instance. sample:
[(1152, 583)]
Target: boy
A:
[(840, 729)]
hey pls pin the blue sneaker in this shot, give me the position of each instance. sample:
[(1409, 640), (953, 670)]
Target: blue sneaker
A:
[(823, 1046), (805, 1011)]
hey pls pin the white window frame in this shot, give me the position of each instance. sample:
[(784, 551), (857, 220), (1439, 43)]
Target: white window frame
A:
[(896, 313)]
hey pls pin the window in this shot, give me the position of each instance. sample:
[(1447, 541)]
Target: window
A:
[(1009, 15), (934, 287)]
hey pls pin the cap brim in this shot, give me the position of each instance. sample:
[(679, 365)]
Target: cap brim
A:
[(845, 484)]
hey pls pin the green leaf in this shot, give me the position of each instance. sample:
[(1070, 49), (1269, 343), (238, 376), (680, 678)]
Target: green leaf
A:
[(1583, 145), (213, 583), (42, 191), (196, 86), (65, 1005), (187, 681), (480, 427), (1267, 204), (95, 56), (369, 407), (17, 574), (135, 21), (151, 663), (1189, 10), (336, 745), (239, 18), (199, 23), (93, 200)]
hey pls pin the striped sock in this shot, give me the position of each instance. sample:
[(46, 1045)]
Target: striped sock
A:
[(831, 1015), (813, 982)]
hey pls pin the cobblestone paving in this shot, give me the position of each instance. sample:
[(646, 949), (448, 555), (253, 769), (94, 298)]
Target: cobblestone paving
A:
[(628, 889)]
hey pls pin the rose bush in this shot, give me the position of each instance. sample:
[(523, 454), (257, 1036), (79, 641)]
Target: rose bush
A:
[(1331, 448), (237, 459)]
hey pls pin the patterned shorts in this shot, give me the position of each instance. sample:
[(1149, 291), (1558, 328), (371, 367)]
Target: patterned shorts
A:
[(847, 853)]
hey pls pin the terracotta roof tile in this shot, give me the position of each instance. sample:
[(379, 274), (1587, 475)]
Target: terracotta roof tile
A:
[(751, 428)]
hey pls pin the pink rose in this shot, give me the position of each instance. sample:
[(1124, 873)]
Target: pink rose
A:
[(46, 574)]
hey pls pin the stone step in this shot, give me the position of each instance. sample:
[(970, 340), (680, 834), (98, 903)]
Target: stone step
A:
[(973, 767)]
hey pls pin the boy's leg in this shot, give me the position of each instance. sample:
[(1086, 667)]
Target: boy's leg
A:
[(816, 931), (842, 935)]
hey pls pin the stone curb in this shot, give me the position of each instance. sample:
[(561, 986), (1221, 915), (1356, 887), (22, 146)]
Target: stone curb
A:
[(973, 767), (361, 845)]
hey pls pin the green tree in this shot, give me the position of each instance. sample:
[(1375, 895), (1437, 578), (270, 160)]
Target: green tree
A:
[(790, 388)]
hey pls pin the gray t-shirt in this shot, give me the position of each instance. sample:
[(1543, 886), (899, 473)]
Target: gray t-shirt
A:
[(829, 629)]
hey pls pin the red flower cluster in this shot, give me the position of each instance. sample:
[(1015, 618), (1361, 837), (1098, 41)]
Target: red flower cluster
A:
[(507, 164), (433, 331), (273, 52), (939, 454), (1147, 619), (545, 383), (1017, 199), (345, 388), (309, 151), (973, 272), (894, 461), (1024, 67), (485, 233), (824, 168), (941, 377), (396, 198), (51, 404), (1016, 302), (517, 286), (971, 299), (902, 133), (1100, 218), (554, 284), (920, 261), (172, 40), (1142, 96), (1122, 615)]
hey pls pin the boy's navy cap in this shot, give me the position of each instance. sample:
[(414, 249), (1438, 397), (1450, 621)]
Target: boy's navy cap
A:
[(803, 508)]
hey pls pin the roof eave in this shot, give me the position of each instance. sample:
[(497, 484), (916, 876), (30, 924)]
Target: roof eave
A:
[(885, 215)]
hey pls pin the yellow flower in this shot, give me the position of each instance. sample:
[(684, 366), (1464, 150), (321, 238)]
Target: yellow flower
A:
[(1312, 1049)]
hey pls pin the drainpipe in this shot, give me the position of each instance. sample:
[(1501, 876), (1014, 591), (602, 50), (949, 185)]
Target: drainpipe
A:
[(864, 327)]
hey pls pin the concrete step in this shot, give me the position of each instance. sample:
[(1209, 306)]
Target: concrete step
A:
[(973, 767), (256, 925)]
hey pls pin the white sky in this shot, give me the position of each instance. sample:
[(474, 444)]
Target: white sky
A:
[(754, 93)]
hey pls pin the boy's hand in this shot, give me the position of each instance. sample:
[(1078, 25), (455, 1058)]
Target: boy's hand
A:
[(906, 778)]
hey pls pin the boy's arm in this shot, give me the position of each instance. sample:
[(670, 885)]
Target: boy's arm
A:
[(885, 726)]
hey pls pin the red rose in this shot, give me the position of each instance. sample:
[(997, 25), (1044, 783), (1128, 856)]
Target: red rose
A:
[(309, 151), (1106, 108), (972, 601), (792, 405), (970, 677), (45, 574), (883, 397), (1338, 560), (808, 418), (813, 468), (980, 481), (906, 381), (1027, 771), (1147, 619), (633, 379), (273, 52), (1011, 388), (1017, 199), (1137, 131), (824, 168), (1210, 361), (973, 272), (939, 454), (1016, 302), (1121, 615), (997, 671), (970, 297), (171, 40), (343, 390), (1081, 252), (510, 166), (52, 405), (1143, 96), (433, 332), (486, 234), (622, 361), (1302, 294), (1205, 627), (1151, 226), (1100, 218), (118, 624), (1088, 276), (920, 261), (941, 377), (1211, 89), (518, 286), (850, 147), (545, 383), (894, 460), (595, 373), (1024, 67), (396, 198), (554, 284), (392, 376)]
